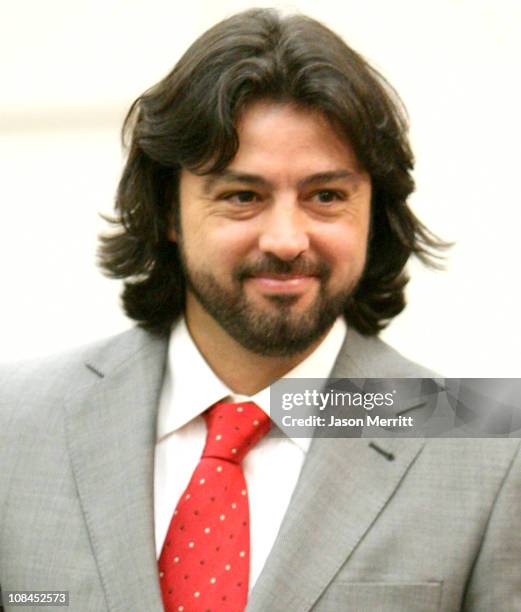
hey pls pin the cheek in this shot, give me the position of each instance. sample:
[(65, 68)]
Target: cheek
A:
[(220, 245), (344, 246)]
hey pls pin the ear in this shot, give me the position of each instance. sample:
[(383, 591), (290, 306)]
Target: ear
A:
[(172, 233), (172, 224)]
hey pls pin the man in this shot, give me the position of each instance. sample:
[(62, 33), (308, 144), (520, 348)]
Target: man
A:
[(263, 231)]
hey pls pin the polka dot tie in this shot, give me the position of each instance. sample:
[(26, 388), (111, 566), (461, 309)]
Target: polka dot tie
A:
[(205, 562)]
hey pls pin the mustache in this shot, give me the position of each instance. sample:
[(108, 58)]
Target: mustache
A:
[(271, 264)]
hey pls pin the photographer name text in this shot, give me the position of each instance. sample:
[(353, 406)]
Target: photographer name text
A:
[(366, 421)]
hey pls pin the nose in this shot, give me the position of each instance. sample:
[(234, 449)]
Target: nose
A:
[(285, 232)]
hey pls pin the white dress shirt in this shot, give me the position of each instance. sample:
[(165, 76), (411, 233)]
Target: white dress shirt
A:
[(271, 468)]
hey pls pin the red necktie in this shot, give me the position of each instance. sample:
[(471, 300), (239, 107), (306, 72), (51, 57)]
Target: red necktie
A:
[(205, 561)]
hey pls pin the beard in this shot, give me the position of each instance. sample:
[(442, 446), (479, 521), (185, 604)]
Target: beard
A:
[(275, 332)]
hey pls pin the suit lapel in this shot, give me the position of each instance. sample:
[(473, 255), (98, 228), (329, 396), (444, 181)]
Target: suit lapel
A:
[(343, 487), (345, 484), (111, 428)]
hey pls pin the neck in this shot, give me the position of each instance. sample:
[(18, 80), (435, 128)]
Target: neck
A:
[(243, 371)]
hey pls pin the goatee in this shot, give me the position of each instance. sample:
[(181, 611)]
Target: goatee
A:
[(277, 332)]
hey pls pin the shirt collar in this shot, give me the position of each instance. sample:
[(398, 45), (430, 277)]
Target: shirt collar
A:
[(190, 386)]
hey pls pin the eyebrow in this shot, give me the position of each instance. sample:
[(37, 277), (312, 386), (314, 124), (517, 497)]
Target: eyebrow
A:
[(229, 176)]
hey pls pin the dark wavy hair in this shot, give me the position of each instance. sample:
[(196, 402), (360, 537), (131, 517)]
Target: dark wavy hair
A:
[(188, 120)]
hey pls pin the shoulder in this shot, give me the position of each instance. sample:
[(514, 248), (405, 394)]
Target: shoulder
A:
[(37, 386), (371, 357)]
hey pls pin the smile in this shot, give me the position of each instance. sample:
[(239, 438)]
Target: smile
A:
[(282, 283)]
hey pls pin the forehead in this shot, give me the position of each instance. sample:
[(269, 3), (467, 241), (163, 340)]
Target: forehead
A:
[(281, 136)]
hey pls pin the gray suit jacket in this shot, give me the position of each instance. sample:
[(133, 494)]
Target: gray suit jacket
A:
[(436, 528)]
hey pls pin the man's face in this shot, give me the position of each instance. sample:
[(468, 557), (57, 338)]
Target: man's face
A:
[(273, 246)]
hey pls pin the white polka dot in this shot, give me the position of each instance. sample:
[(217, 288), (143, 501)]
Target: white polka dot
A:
[(176, 559), (222, 517), (187, 496), (202, 481), (242, 553), (234, 505), (207, 529), (161, 574), (213, 580), (181, 608), (196, 594), (234, 451), (191, 544), (228, 567), (240, 409), (218, 437), (255, 422), (219, 468), (243, 492)]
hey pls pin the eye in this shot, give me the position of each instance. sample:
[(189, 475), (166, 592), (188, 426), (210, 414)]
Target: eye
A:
[(327, 196), (241, 197)]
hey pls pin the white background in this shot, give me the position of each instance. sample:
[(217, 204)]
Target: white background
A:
[(69, 71)]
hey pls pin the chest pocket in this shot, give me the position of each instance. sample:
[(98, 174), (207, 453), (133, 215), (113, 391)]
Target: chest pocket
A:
[(380, 597)]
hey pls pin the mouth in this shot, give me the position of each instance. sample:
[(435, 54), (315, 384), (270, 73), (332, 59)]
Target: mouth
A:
[(282, 283)]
